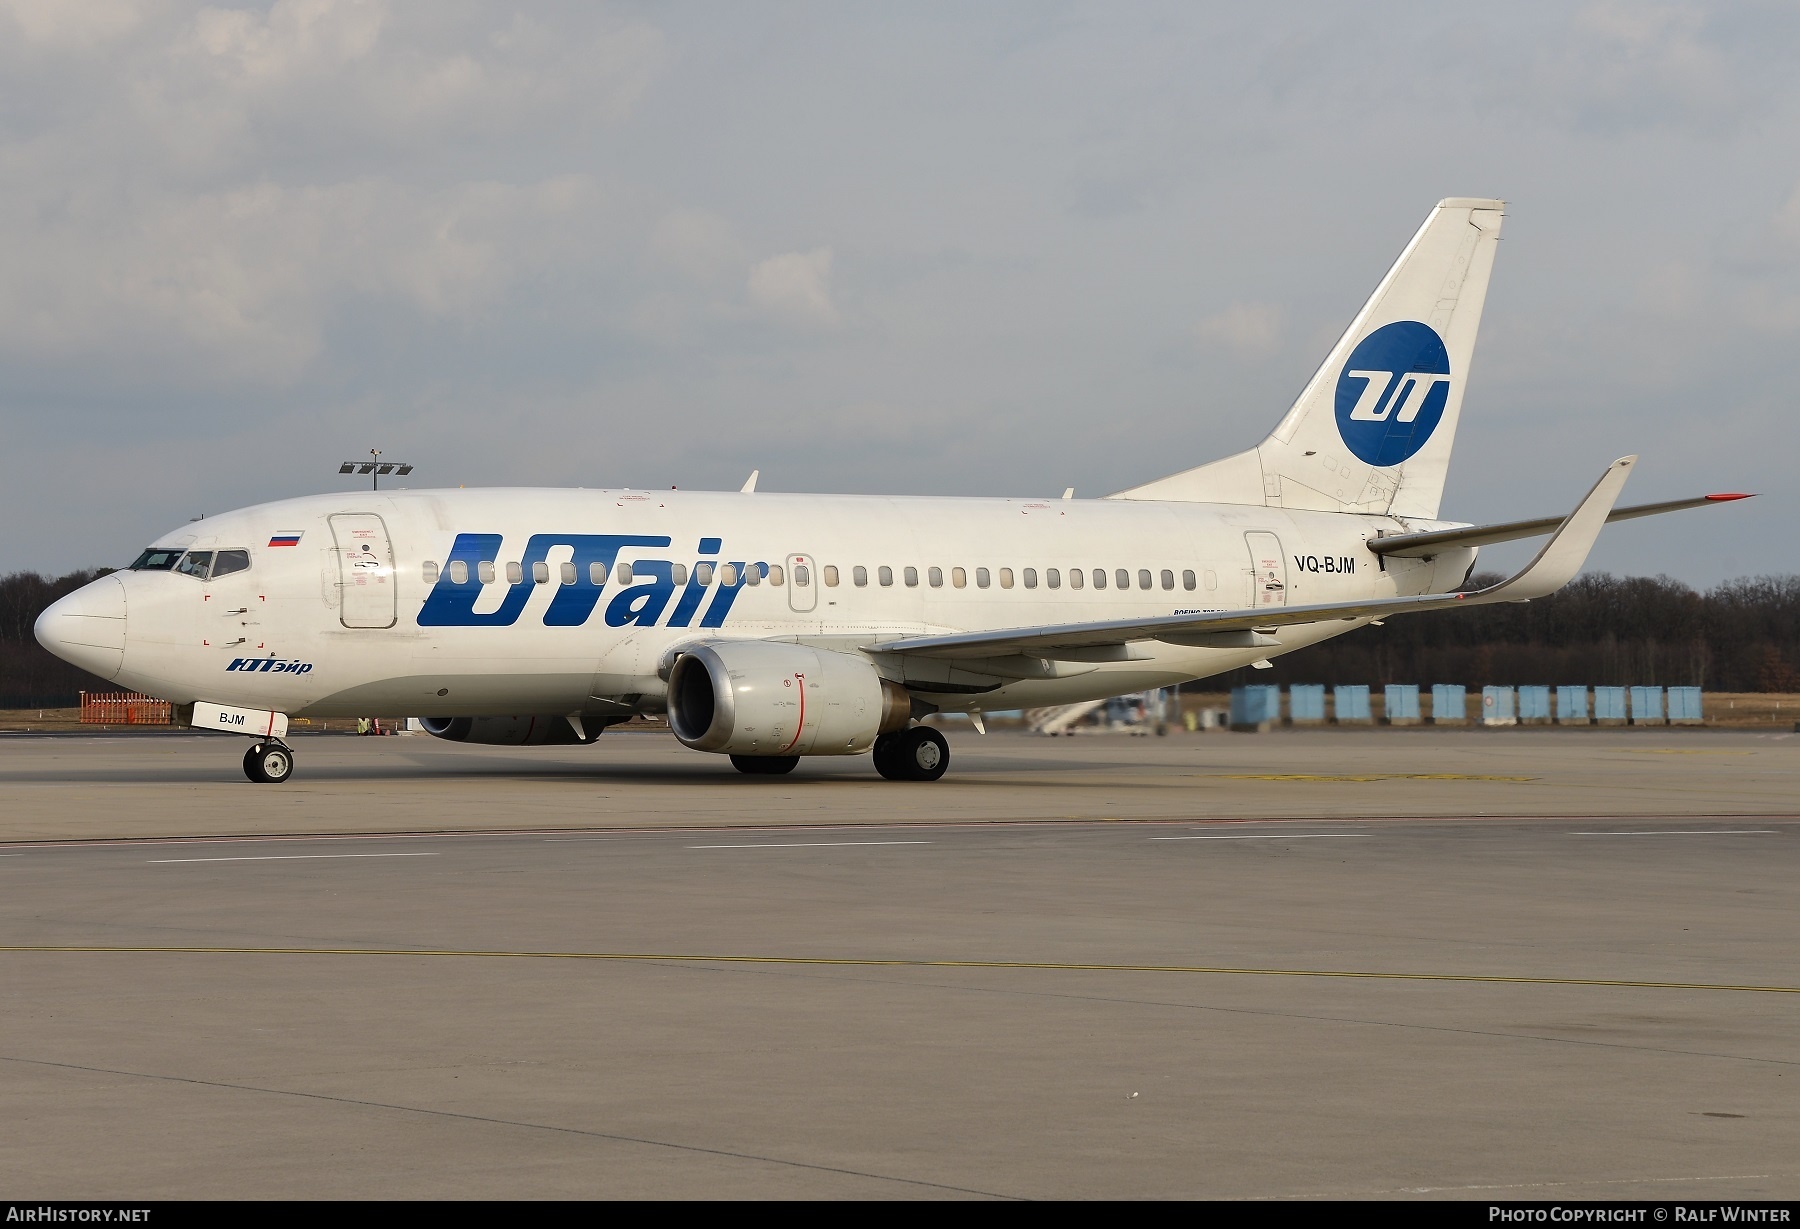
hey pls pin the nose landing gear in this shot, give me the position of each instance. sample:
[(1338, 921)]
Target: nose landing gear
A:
[(269, 763)]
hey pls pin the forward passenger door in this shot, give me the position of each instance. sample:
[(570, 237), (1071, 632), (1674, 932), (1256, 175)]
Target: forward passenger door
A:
[(365, 570)]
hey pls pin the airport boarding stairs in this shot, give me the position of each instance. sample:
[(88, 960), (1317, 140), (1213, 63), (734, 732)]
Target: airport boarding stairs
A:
[(1059, 718)]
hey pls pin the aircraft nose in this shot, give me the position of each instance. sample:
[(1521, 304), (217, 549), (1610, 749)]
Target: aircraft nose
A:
[(87, 628)]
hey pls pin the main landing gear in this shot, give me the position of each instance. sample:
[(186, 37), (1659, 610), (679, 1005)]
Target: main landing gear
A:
[(269, 763), (916, 754), (765, 765)]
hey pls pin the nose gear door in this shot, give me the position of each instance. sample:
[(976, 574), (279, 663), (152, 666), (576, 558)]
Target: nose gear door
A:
[(365, 570), (1268, 570)]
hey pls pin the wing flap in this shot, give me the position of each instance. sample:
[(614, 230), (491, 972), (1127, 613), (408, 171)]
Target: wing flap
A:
[(1555, 565)]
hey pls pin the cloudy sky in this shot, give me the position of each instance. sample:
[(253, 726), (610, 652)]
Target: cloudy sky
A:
[(960, 249)]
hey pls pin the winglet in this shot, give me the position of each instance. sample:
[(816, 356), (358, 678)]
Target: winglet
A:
[(750, 482), (1567, 549)]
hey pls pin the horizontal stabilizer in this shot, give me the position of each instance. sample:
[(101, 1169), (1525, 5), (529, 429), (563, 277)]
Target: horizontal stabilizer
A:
[(1556, 564), (1425, 545)]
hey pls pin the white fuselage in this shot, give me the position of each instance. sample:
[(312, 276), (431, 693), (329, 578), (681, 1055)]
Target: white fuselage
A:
[(501, 601)]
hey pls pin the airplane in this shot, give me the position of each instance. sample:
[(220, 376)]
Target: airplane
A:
[(771, 627)]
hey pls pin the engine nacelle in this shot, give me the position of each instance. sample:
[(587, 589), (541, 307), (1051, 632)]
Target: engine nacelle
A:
[(512, 731), (760, 697)]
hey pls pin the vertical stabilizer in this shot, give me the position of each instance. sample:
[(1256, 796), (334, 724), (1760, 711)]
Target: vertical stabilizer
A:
[(1372, 430)]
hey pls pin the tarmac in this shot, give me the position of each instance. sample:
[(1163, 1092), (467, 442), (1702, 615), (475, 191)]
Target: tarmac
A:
[(1432, 964)]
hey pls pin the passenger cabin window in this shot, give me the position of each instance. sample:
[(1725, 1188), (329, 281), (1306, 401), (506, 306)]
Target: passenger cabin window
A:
[(623, 572), (885, 574), (775, 573), (226, 562), (859, 576), (753, 573), (1006, 578), (540, 573), (1077, 578), (912, 578), (596, 574), (678, 574), (514, 574), (959, 578), (1187, 578), (802, 575), (567, 573), (1143, 578), (1099, 578), (1053, 577), (936, 577), (1168, 579), (981, 578), (831, 576), (1031, 578), (196, 563), (1212, 580), (1122, 579), (703, 574), (459, 571), (428, 572), (484, 571), (157, 559), (728, 575)]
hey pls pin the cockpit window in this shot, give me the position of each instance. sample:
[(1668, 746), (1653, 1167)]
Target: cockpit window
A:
[(157, 559), (226, 562), (195, 563)]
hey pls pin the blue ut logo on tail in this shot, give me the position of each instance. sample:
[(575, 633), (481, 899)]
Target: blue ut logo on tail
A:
[(657, 586), (1392, 392)]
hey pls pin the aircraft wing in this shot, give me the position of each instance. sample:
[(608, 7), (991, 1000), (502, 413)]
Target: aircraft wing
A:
[(1555, 565), (1425, 545)]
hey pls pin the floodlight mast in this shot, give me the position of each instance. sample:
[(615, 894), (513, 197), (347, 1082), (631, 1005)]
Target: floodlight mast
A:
[(375, 468)]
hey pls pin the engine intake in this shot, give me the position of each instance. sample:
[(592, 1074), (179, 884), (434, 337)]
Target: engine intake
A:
[(512, 731), (760, 697)]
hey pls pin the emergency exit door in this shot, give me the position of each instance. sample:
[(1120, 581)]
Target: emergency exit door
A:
[(365, 559), (1268, 570), (803, 585)]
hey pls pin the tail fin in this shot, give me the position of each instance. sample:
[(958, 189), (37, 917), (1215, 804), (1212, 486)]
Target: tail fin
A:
[(1372, 430)]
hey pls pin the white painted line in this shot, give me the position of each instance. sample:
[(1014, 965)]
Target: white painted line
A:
[(289, 857), (1690, 832), (576, 840), (1271, 836), (809, 845)]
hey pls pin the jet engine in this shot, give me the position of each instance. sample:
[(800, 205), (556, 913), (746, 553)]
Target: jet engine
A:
[(512, 731), (761, 697)]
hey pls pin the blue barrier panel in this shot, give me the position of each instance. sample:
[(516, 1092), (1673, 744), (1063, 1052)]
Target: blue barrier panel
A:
[(1609, 704), (1449, 703), (1255, 707), (1571, 706), (1400, 702), (1350, 703), (1306, 702), (1646, 706), (1684, 704), (1497, 706), (1534, 704)]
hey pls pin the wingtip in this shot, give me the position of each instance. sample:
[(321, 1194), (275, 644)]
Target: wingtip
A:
[(1727, 496)]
